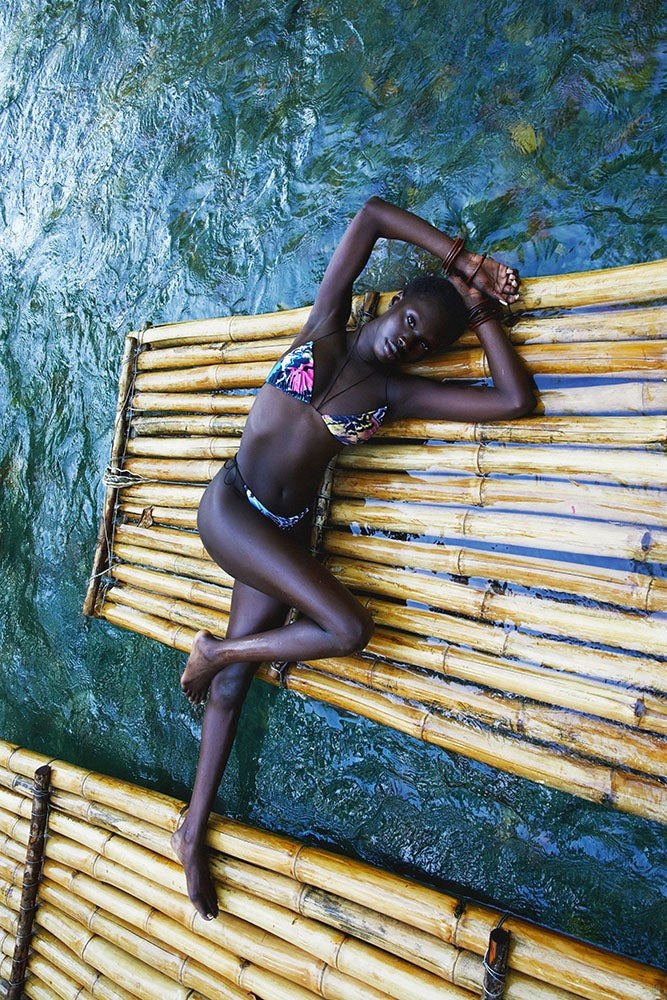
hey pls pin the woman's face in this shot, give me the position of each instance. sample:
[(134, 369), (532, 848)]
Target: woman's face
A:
[(411, 330)]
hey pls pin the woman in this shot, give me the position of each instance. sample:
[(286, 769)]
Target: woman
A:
[(334, 387)]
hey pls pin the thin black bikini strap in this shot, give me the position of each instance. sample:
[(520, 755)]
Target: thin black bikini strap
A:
[(328, 396)]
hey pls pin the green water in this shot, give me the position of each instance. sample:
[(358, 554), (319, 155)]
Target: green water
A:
[(166, 161)]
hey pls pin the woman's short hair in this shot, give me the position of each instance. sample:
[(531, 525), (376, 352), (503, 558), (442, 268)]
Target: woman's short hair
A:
[(432, 286)]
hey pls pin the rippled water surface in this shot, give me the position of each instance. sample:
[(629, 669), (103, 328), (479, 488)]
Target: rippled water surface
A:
[(166, 161)]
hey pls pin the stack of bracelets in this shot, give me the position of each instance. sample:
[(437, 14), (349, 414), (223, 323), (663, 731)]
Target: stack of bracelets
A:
[(484, 310), (454, 251), (481, 313)]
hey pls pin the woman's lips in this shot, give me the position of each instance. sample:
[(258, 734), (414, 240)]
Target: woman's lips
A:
[(390, 350)]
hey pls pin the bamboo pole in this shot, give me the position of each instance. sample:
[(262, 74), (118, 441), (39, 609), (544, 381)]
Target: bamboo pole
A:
[(645, 358), (631, 283), (184, 542), (566, 498), (232, 328), (604, 359), (192, 402), (591, 737), (622, 398), (218, 424), (171, 962), (168, 494), (37, 989), (200, 569), (611, 431), (575, 536), (639, 591), (195, 447), (154, 514), (465, 966), (31, 878), (63, 961), (114, 961), (643, 323), (643, 796), (646, 593), (638, 468), (173, 470), (632, 707), (191, 355), (59, 983), (220, 376), (101, 555), (422, 907)]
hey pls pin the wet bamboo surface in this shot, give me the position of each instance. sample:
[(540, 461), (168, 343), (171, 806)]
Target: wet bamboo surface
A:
[(297, 922), (512, 567)]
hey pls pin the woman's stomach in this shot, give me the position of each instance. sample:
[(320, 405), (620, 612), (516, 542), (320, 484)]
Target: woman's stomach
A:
[(284, 451)]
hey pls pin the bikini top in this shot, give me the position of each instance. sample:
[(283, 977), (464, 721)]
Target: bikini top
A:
[(294, 374)]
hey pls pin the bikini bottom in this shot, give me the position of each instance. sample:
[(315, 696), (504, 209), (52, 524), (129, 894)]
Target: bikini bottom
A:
[(234, 476)]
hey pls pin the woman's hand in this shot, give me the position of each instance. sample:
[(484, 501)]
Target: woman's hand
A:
[(471, 296), (492, 278)]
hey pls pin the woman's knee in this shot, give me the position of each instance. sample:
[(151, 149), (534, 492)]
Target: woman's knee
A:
[(230, 686), (356, 633)]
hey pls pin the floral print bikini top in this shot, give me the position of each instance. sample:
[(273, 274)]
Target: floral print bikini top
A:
[(294, 374)]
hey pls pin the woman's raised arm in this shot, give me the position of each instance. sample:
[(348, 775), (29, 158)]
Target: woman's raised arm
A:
[(511, 395), (378, 219)]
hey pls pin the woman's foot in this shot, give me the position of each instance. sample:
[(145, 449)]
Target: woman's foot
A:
[(204, 662), (197, 876), (492, 278)]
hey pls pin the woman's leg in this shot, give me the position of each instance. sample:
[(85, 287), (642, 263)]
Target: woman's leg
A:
[(250, 611), (252, 549)]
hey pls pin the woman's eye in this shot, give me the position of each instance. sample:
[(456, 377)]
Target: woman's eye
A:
[(425, 346), (411, 320)]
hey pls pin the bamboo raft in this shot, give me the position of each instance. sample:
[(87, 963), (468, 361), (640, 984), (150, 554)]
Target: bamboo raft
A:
[(511, 567), (296, 922)]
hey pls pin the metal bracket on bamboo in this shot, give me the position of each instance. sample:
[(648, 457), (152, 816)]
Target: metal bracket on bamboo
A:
[(495, 963), (32, 876)]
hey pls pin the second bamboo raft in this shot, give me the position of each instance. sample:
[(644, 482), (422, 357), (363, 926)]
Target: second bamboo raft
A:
[(512, 568), (296, 922)]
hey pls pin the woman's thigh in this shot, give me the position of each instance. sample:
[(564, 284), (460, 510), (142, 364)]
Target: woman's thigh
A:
[(257, 553)]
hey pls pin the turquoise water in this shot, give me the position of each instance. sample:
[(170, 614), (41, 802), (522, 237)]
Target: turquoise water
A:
[(166, 161)]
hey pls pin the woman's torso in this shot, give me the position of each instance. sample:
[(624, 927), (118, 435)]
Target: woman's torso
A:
[(286, 444)]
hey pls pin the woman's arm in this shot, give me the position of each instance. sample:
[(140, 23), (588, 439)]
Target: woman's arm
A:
[(380, 220), (511, 395)]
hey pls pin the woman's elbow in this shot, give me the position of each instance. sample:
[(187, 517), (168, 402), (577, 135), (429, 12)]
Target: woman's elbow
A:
[(521, 405)]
